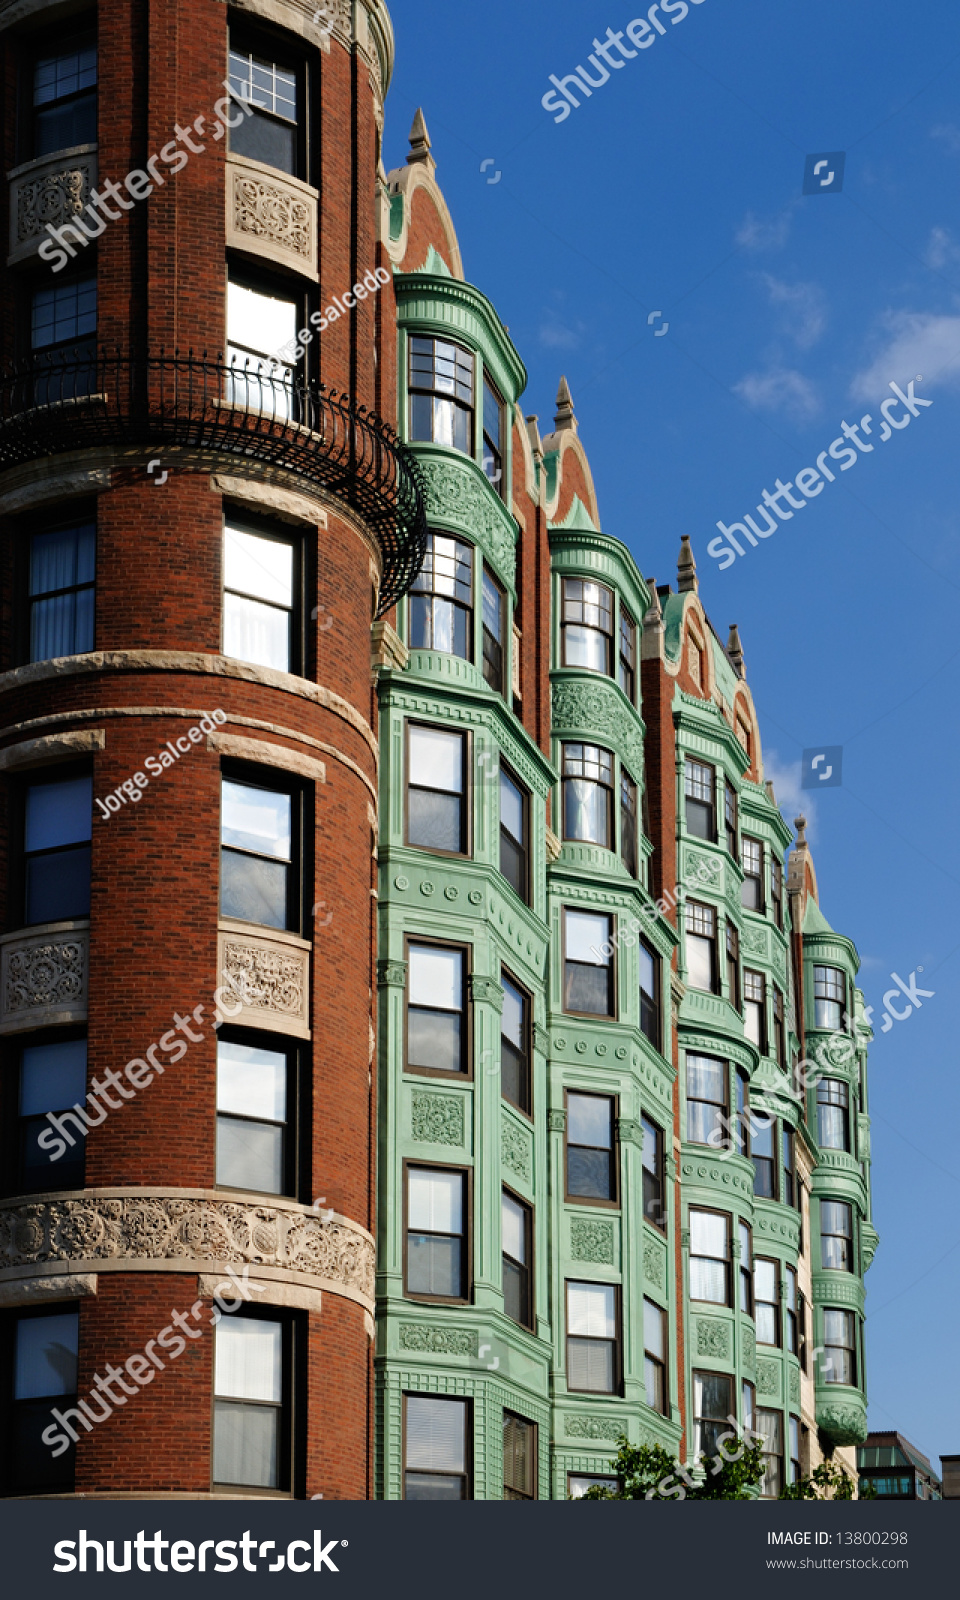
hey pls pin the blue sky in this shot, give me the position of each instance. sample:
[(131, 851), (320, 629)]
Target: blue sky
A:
[(677, 187)]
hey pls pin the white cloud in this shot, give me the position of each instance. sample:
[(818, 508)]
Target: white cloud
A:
[(949, 135), (780, 389), (805, 317), (557, 335), (941, 251), (792, 800), (911, 343), (757, 234)]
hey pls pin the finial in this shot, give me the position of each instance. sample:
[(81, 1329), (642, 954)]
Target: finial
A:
[(420, 143), (686, 568), (654, 616), (564, 417), (800, 824), (533, 434), (735, 649)]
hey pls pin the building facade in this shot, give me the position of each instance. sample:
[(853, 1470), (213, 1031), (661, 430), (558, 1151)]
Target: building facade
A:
[(895, 1469), (424, 1057)]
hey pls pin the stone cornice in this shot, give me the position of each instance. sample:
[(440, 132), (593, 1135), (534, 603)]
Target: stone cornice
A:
[(181, 1230)]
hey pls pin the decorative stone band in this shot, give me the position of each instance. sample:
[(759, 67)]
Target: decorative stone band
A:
[(52, 190), (43, 976), (272, 215), (267, 976), (178, 1230)]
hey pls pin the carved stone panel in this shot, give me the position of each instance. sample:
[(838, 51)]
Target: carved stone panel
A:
[(433, 1340), (768, 1378), (713, 1338), (457, 496), (268, 977), (43, 976), (515, 1148), (272, 215), (54, 190), (591, 1240), (597, 708), (183, 1231), (436, 1118)]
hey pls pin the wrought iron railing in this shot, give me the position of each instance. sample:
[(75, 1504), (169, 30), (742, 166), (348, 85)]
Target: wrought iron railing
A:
[(257, 411)]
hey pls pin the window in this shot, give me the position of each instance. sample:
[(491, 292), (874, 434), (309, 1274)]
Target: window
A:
[(627, 671), (586, 626), (514, 834), (751, 890), (779, 1030), (274, 92), (746, 1269), (699, 785), (833, 1114), (493, 436), (515, 1045), (628, 823), (733, 966), (745, 736), (655, 1356), (791, 1331), (770, 1425), (803, 1326), (519, 1458), (755, 1009), (44, 1377), (801, 1243), (257, 882), (701, 946), (436, 1234), (65, 98), (654, 1186), (516, 1239), (763, 1151), (579, 1482), (436, 789), (840, 1347), (712, 1406), (255, 1095), (730, 817), (441, 598), (706, 1098), (836, 1235), (259, 584), (56, 847), (494, 611), (63, 325), (251, 1365), (436, 1004), (789, 1167), (830, 998), (591, 1166), (748, 1400), (588, 794), (587, 971), (741, 1136), (649, 994), (436, 1454), (53, 1082), (710, 1257), (766, 1290), (62, 573), (262, 325), (592, 1339), (441, 393), (776, 889)]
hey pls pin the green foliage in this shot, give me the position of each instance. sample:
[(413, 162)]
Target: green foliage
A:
[(827, 1482), (648, 1472)]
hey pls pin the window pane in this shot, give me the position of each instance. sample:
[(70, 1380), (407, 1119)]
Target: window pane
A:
[(587, 989), (245, 1444), (58, 813), (53, 1076), (62, 558), (511, 807), (708, 1280), (585, 936), (254, 890), (256, 633), (262, 82), (512, 1023), (436, 977), (708, 1234), (579, 1483), (64, 311), (699, 962), (435, 1202), (257, 566), (766, 1324), (62, 625), (653, 1340), (590, 1120), (248, 1359), (251, 1082), (591, 1310), (590, 1365), (434, 1265), (585, 648), (250, 1155), (436, 1434), (706, 1079), (259, 322), (58, 886), (433, 1040), (45, 1359), (589, 1173), (765, 1280), (513, 1229), (436, 759), (258, 820)]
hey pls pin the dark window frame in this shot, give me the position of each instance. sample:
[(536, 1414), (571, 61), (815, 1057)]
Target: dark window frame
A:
[(427, 576), (81, 35), (10, 1407), (732, 953), (788, 1152), (703, 1443), (691, 911), (494, 670), (466, 1273), (15, 1139), (752, 898), (692, 799), (589, 755), (526, 1054), (791, 1312), (627, 654), (291, 1447), (281, 48), (657, 1176), (727, 1260), (278, 372), (779, 1028), (752, 979), (466, 1401), (277, 780), (522, 846), (651, 1004), (417, 385), (529, 1265), (616, 1341), (604, 633), (662, 1363), (613, 1201), (830, 1367), (731, 819), (466, 789), (629, 819), (848, 1238), (494, 450), (824, 996), (29, 778), (841, 1102), (297, 1137), (531, 1493), (264, 528), (745, 1270), (773, 1261), (465, 1072), (83, 516), (610, 964), (698, 1100), (776, 889)]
